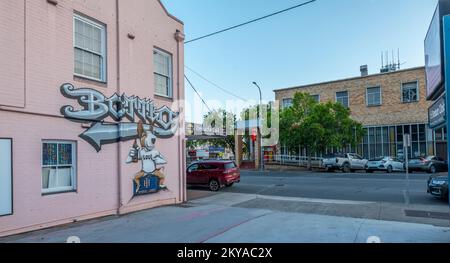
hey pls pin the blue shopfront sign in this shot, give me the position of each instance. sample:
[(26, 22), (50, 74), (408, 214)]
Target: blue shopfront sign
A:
[(437, 114)]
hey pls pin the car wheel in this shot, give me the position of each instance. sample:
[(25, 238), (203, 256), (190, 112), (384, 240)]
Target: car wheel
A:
[(229, 185), (214, 185), (432, 169), (346, 168), (389, 169)]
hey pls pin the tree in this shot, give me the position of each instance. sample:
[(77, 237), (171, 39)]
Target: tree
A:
[(316, 126)]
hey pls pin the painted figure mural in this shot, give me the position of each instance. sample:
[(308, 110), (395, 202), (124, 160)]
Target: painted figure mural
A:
[(151, 177)]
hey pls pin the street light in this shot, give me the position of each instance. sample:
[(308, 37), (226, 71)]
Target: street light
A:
[(261, 153)]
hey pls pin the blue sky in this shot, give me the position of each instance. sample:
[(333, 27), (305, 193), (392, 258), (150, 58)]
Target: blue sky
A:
[(326, 40)]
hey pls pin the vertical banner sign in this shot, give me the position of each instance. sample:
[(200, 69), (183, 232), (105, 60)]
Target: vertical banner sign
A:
[(5, 177)]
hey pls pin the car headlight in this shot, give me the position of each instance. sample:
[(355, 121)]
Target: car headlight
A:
[(439, 182)]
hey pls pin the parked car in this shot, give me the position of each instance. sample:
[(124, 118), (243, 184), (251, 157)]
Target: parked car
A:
[(430, 164), (214, 174), (347, 163), (438, 186), (386, 164)]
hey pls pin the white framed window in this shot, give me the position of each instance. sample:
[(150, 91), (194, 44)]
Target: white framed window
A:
[(410, 92), (162, 63), (342, 98), (89, 42), (373, 96), (316, 98), (287, 103), (6, 187), (58, 166)]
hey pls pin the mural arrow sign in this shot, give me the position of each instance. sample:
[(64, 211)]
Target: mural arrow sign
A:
[(100, 134)]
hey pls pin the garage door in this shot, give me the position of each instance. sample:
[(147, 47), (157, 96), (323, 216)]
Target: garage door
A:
[(5, 177)]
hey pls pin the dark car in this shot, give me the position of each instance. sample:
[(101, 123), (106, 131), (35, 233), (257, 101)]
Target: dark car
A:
[(430, 164), (214, 174), (438, 186)]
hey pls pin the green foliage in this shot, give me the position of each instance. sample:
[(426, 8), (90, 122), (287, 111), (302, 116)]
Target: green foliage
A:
[(318, 126)]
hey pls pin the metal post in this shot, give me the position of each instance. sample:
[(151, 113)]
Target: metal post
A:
[(259, 124), (406, 145), (447, 75)]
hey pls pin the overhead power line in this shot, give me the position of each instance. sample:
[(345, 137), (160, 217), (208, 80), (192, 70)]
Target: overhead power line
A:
[(198, 94), (215, 85), (249, 22)]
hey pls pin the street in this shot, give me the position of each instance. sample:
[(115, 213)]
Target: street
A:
[(376, 187)]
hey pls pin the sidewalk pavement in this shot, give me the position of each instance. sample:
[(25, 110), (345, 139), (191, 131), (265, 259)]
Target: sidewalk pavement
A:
[(241, 218)]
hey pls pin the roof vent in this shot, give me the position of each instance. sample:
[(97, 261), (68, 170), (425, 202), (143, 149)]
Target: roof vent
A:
[(364, 70)]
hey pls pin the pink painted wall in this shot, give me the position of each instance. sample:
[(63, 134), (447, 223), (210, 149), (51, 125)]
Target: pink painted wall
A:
[(47, 62)]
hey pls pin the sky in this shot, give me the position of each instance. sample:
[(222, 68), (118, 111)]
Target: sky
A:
[(326, 40)]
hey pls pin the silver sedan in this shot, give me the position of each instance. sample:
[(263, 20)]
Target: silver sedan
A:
[(387, 164)]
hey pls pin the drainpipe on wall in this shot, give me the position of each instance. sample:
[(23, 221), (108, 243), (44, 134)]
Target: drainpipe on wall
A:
[(179, 37), (119, 145)]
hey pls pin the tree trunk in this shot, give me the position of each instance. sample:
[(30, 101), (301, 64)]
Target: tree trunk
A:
[(309, 166)]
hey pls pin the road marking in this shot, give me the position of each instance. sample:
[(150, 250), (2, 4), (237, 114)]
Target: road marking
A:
[(314, 200)]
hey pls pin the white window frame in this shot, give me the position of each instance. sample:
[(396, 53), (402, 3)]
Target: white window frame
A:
[(348, 98), (283, 105), (102, 54), (367, 96), (72, 188), (417, 89), (7, 183), (170, 88), (316, 95)]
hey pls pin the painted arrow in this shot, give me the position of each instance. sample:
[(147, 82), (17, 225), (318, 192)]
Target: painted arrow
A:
[(102, 134)]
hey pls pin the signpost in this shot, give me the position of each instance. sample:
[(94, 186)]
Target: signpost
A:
[(406, 146)]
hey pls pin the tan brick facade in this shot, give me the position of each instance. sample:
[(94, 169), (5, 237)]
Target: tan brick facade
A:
[(392, 110)]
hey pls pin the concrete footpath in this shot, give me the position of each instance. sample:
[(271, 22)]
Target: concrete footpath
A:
[(242, 218)]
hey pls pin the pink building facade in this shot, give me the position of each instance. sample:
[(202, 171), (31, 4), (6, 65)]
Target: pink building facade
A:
[(91, 113)]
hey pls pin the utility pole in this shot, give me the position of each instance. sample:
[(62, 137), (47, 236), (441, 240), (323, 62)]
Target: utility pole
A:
[(259, 124)]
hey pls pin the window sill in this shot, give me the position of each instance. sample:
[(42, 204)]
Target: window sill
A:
[(90, 81), (410, 102), (59, 192), (374, 106), (161, 97)]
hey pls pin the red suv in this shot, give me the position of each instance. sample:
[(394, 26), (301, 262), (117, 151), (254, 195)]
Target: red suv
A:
[(214, 174)]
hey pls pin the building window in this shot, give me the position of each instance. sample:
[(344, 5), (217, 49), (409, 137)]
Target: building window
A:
[(162, 62), (342, 98), (58, 167), (90, 49), (410, 92), (316, 98), (287, 103), (374, 96), (6, 188)]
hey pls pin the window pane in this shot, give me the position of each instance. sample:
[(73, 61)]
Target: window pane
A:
[(374, 96), (46, 176), (161, 85), (342, 97), (64, 154), (64, 178), (410, 92), (49, 154)]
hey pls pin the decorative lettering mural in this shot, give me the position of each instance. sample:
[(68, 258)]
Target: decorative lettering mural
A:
[(152, 124)]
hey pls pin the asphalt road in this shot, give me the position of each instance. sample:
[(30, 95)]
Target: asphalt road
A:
[(377, 187)]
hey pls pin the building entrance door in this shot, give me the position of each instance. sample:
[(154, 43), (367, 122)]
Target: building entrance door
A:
[(441, 150)]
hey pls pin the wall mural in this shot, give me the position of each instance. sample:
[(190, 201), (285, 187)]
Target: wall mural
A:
[(152, 124)]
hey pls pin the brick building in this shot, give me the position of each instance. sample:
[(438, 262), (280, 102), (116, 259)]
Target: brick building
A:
[(91, 94), (387, 104)]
